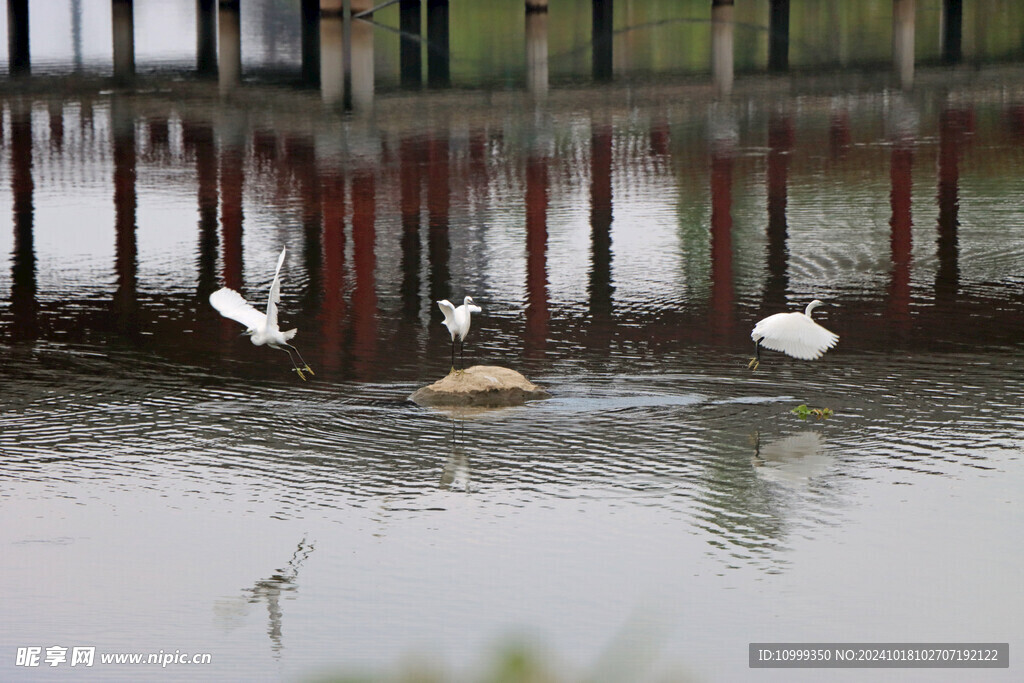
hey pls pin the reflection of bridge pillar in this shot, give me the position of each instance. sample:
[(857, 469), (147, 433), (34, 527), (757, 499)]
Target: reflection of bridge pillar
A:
[(301, 159), (125, 205), (199, 138), (722, 45), (159, 134), (438, 55), (780, 142), (124, 39), (232, 160), (660, 136), (901, 239), (85, 114), (55, 112), (410, 49), (229, 45), (778, 35), (952, 126), (601, 40), (1015, 119), (438, 205), (264, 148), (24, 306), (903, 41), (536, 254), (537, 51), (364, 297), (206, 37), (952, 31), (478, 148), (332, 58), (722, 294), (19, 62), (600, 286), (332, 192), (840, 136), (412, 156)]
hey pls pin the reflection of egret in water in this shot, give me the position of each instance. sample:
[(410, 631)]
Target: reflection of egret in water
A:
[(268, 590), (791, 460), (751, 504), (455, 475), (740, 519)]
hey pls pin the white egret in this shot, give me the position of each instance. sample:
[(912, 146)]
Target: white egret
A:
[(794, 334), (457, 321), (262, 328)]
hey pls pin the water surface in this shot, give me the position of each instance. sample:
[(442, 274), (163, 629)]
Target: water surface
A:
[(167, 486)]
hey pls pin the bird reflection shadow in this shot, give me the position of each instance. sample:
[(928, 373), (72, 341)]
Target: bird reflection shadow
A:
[(455, 475), (269, 590), (792, 460)]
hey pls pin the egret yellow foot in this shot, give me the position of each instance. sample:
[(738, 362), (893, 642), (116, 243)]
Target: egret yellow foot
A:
[(299, 371), (753, 363), (309, 370)]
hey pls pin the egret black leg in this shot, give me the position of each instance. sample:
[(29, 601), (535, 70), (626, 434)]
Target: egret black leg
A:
[(756, 360), (453, 355), (462, 354)]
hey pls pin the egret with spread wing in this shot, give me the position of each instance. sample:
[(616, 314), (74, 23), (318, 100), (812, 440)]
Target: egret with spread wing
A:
[(262, 328), (794, 334), (457, 321)]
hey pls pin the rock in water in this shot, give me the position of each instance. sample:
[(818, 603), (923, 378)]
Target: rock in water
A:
[(480, 385)]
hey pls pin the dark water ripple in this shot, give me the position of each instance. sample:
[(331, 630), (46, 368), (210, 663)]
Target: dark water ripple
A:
[(717, 445), (644, 346)]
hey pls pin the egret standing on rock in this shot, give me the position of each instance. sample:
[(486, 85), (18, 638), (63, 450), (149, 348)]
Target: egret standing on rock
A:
[(261, 328), (794, 334), (457, 321)]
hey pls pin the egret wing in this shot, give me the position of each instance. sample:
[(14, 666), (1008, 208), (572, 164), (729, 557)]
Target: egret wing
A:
[(275, 293), (449, 315), (772, 322), (231, 304), (473, 308), (794, 334)]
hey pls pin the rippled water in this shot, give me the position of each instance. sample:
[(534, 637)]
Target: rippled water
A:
[(167, 486), (307, 525)]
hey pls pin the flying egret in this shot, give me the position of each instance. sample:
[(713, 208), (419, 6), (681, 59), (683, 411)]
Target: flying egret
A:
[(261, 327), (794, 334), (457, 321)]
